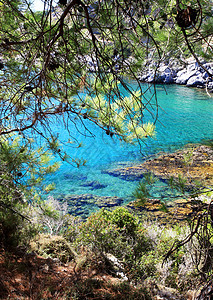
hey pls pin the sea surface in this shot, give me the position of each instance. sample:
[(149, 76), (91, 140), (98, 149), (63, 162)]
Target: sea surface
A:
[(185, 115)]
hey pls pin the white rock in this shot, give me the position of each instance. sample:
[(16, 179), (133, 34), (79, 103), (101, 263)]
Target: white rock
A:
[(150, 78), (205, 75), (208, 65), (183, 79), (192, 67), (195, 80), (210, 85), (181, 72)]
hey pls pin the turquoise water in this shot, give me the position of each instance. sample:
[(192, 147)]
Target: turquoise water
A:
[(185, 116)]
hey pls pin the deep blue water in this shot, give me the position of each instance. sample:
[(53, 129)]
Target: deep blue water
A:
[(185, 116)]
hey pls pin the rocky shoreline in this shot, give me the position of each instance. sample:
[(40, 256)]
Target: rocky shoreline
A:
[(187, 72), (194, 163), (169, 71), (177, 210)]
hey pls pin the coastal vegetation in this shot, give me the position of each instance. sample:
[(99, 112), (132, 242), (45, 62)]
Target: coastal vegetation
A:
[(73, 64)]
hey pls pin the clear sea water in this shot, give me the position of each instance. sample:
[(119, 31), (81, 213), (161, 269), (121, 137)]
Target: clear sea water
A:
[(185, 116)]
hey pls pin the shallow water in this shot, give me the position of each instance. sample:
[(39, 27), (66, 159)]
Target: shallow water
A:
[(185, 116)]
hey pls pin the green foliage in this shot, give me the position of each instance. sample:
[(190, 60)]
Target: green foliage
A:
[(53, 218), (188, 157), (56, 64), (45, 77), (179, 183), (101, 289), (174, 187), (142, 192), (15, 228), (117, 232), (25, 166), (139, 248), (98, 232), (84, 61), (163, 207), (21, 173), (54, 247), (53, 65), (124, 220)]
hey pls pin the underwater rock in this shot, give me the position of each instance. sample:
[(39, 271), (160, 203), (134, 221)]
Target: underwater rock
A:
[(84, 204), (132, 173), (95, 185), (193, 163), (108, 201)]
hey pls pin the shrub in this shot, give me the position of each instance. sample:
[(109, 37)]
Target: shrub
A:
[(22, 170), (98, 233), (124, 220), (16, 228), (139, 248), (117, 232), (52, 215), (54, 247)]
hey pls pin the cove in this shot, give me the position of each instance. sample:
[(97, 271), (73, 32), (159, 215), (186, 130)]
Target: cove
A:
[(185, 115)]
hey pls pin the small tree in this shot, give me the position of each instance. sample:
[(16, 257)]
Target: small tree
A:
[(21, 173), (52, 216)]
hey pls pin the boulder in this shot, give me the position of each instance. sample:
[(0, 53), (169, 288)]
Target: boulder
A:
[(192, 67), (143, 77), (84, 204), (167, 74), (208, 66), (115, 266), (183, 79), (181, 72), (210, 87), (189, 73), (150, 77), (205, 75), (197, 80)]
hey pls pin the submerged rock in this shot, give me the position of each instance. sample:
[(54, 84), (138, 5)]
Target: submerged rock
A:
[(132, 173), (108, 201), (94, 185), (194, 163), (165, 213), (70, 176), (83, 204)]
